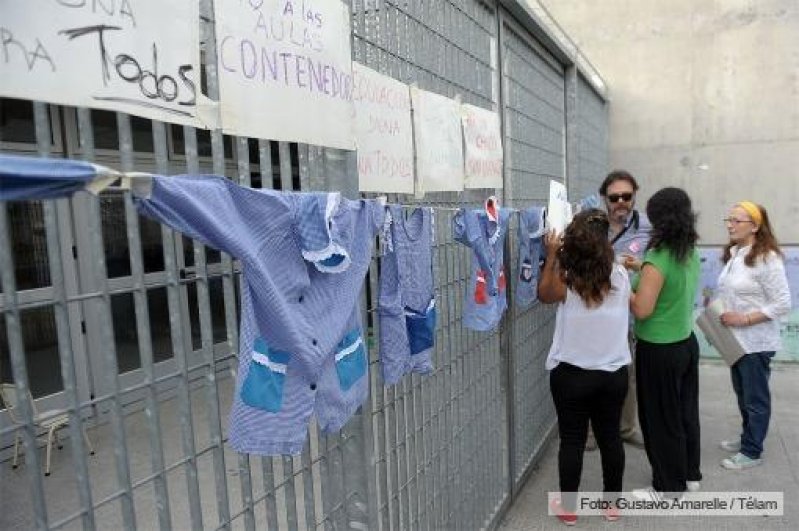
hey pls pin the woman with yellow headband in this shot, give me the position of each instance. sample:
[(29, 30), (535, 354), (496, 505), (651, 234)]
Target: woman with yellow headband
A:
[(754, 288)]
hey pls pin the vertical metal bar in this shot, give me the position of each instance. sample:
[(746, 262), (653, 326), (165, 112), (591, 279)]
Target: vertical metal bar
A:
[(66, 354), (355, 481), (19, 371), (307, 484), (328, 487), (103, 307), (245, 475), (284, 153), (151, 406), (290, 497), (178, 343)]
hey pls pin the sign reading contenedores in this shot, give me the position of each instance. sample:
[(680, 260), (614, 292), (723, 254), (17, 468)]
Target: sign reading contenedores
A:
[(285, 70), (136, 56)]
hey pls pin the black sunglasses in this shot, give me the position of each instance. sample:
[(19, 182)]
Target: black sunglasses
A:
[(615, 198)]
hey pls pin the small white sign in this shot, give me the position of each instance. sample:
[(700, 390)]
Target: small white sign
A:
[(285, 70), (383, 132), (139, 57), (438, 142), (559, 210), (483, 142)]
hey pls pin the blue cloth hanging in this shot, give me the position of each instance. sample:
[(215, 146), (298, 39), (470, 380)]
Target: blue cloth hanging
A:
[(27, 178)]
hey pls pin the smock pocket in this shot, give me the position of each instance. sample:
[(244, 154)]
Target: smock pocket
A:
[(263, 387), (421, 328), (350, 359)]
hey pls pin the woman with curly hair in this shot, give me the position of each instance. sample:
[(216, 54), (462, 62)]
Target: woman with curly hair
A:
[(589, 354), (754, 288), (667, 353)]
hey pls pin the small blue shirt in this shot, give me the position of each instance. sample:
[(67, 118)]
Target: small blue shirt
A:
[(406, 305), (483, 231), (304, 257), (531, 232)]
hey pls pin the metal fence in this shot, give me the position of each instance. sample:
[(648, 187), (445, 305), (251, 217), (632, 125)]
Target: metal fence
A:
[(131, 329)]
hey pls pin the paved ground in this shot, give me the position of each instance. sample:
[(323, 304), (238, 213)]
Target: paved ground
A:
[(720, 420)]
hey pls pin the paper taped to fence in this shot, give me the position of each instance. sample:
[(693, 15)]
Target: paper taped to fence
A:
[(285, 70), (438, 142), (383, 132), (482, 140), (136, 57)]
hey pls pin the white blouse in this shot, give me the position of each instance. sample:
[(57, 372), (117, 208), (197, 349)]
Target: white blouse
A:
[(760, 288), (594, 338)]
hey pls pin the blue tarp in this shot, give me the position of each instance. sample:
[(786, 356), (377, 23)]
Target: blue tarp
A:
[(25, 178)]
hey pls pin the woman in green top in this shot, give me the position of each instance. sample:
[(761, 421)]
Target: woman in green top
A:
[(667, 364)]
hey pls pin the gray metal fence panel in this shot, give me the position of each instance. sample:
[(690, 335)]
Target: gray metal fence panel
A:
[(533, 85), (592, 141), (149, 319)]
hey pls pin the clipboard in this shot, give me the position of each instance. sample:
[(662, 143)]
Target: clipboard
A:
[(718, 335)]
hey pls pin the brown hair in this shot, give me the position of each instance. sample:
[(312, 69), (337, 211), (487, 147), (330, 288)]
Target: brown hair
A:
[(586, 256), (617, 175), (765, 242)]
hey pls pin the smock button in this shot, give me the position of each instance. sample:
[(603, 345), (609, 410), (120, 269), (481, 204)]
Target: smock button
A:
[(313, 387), (300, 299), (314, 342)]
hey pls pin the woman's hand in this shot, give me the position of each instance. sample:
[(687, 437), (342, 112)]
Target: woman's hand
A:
[(734, 319), (630, 262), (552, 242)]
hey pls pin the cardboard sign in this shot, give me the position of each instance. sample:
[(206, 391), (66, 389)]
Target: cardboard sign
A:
[(139, 57), (438, 142), (383, 132), (285, 70)]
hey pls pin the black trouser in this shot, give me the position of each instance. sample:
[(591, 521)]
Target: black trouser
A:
[(668, 410), (581, 395)]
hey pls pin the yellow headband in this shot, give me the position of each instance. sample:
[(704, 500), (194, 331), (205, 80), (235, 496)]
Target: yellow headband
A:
[(753, 211)]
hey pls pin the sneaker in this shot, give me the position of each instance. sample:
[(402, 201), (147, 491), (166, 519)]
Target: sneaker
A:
[(732, 445), (692, 486), (611, 514), (590, 444), (739, 461), (635, 439), (647, 494), (563, 515)]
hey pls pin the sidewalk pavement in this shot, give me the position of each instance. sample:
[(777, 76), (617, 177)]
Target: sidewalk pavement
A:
[(720, 420)]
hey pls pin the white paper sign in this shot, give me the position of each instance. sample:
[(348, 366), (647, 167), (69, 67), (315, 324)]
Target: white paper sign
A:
[(438, 142), (559, 209), (139, 57), (483, 143), (285, 70), (383, 132)]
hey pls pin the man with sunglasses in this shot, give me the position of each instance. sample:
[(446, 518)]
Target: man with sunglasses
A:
[(629, 236)]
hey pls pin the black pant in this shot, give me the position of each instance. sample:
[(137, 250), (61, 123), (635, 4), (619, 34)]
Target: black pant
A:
[(580, 395), (668, 410)]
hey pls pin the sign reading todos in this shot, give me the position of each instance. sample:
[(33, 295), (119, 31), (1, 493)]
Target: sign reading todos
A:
[(383, 132), (285, 70), (140, 57)]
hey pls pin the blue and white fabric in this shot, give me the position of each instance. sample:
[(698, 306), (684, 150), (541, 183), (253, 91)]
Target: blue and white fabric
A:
[(406, 304), (484, 231), (531, 232), (31, 178), (634, 236), (304, 257)]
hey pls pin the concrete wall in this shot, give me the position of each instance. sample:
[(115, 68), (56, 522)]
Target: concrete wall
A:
[(704, 95)]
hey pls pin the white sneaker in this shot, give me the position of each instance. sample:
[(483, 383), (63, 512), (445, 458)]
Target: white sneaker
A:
[(647, 494), (731, 445), (693, 486), (739, 461)]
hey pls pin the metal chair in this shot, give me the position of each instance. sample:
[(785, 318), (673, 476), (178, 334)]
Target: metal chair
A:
[(51, 421)]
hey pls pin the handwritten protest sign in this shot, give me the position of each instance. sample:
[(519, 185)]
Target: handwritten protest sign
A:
[(383, 132), (285, 70), (438, 142), (559, 211), (483, 147), (140, 57)]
